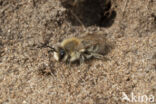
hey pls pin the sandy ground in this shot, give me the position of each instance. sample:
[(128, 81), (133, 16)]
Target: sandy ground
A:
[(30, 75)]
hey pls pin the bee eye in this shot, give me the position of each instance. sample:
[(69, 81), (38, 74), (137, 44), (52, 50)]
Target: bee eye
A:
[(62, 53)]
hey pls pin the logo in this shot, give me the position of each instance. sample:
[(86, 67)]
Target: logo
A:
[(137, 98)]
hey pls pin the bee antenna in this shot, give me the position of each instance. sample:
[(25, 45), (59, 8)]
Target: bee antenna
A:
[(52, 48), (43, 45)]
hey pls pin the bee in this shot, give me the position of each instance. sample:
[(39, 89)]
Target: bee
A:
[(80, 49)]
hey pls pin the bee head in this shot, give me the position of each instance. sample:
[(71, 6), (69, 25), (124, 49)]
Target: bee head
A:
[(59, 53)]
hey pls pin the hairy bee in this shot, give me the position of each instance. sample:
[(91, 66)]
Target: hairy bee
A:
[(81, 49)]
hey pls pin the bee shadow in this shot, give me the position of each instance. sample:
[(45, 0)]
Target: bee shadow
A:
[(92, 12)]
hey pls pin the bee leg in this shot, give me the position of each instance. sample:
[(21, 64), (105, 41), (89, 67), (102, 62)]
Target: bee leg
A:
[(93, 49), (88, 56), (99, 56), (82, 59), (67, 60)]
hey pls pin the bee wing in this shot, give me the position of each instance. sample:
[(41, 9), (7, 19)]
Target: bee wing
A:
[(94, 42)]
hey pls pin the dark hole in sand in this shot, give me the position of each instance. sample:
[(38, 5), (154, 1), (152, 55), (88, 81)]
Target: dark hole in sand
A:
[(92, 12)]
